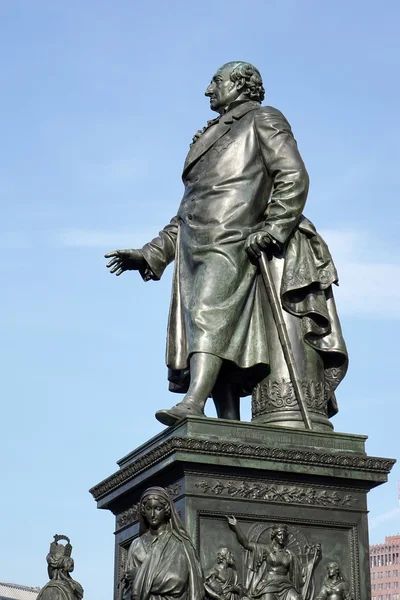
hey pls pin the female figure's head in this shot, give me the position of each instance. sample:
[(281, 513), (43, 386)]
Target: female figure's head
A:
[(333, 569), (279, 534), (155, 510)]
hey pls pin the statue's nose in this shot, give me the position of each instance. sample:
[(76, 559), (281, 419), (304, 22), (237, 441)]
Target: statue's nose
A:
[(208, 91)]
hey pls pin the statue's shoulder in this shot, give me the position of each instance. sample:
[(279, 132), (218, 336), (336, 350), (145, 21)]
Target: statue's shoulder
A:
[(269, 112)]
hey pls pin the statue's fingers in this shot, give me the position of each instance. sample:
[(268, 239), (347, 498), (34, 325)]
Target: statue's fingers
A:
[(264, 243), (250, 252), (116, 267), (113, 261), (255, 248), (111, 254), (120, 271)]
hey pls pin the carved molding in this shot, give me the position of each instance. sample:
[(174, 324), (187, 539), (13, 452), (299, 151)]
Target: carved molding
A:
[(278, 493), (122, 560), (240, 450), (131, 515), (271, 396)]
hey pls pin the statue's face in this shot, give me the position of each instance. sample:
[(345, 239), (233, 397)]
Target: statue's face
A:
[(154, 511), (280, 537), (332, 569), (222, 91), (221, 557)]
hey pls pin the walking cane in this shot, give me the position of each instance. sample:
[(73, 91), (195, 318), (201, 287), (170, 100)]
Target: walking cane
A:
[(283, 335)]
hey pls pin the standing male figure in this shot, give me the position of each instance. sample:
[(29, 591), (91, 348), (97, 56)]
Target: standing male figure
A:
[(245, 189)]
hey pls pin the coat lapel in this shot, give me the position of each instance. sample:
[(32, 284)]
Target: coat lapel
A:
[(212, 135)]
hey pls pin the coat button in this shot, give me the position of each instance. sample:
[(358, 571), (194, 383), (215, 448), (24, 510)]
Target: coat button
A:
[(190, 217)]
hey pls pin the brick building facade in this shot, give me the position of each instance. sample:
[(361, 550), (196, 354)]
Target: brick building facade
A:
[(385, 569)]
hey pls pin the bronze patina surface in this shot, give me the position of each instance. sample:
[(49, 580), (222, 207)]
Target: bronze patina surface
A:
[(245, 187)]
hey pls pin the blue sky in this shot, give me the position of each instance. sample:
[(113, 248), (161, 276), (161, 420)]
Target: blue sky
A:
[(99, 103)]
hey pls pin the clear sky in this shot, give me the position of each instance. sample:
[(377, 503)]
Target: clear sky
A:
[(99, 103)]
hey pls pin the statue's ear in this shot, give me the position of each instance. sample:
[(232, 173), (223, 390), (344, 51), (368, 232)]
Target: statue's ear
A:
[(240, 84)]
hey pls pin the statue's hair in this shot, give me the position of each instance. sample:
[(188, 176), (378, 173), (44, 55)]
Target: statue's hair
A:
[(276, 528), (250, 78), (228, 555)]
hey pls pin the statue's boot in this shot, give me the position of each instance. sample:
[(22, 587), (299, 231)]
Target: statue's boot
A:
[(186, 408)]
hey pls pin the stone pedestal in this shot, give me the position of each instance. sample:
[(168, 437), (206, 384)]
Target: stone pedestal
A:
[(315, 483)]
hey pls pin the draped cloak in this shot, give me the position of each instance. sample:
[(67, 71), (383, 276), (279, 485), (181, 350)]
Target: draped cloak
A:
[(244, 175)]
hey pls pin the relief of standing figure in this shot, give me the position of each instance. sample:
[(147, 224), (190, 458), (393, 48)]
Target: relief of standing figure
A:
[(335, 586), (162, 563)]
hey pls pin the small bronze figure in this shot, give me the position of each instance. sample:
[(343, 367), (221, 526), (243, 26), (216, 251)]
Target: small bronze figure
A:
[(335, 586), (245, 189), (162, 562), (59, 566), (221, 581)]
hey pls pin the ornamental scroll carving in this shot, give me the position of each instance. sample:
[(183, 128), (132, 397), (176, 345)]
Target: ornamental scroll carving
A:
[(278, 493), (132, 514)]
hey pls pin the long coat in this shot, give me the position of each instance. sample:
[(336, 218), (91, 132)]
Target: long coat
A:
[(243, 174)]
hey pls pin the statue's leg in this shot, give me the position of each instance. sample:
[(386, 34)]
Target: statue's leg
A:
[(226, 399), (204, 370)]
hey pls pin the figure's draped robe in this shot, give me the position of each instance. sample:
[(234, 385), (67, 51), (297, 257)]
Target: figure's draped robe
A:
[(226, 582), (61, 588), (246, 175), (260, 581), (164, 568)]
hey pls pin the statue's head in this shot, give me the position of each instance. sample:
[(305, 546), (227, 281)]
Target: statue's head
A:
[(59, 566), (279, 534), (59, 557), (155, 509), (224, 555), (333, 569), (234, 81)]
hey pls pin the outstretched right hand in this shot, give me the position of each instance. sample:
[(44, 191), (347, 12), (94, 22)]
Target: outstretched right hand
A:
[(232, 522), (125, 260)]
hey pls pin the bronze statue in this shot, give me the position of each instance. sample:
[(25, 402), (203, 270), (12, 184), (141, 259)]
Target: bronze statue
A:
[(335, 586), (221, 581), (162, 562), (59, 566), (245, 189)]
